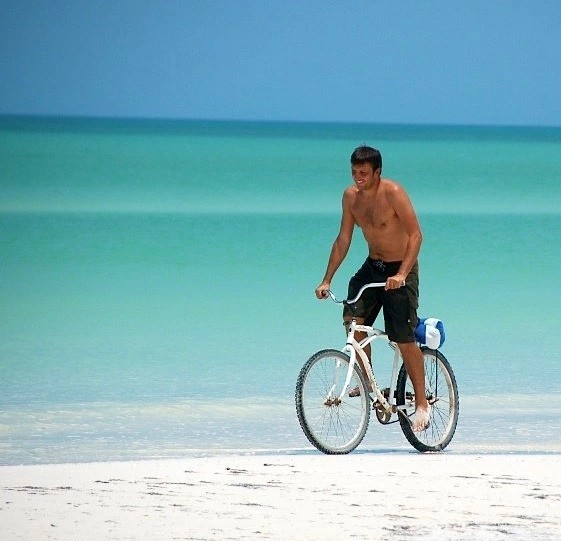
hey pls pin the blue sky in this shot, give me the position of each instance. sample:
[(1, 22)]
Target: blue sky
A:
[(424, 61)]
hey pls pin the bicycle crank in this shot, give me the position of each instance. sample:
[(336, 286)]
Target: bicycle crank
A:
[(383, 415)]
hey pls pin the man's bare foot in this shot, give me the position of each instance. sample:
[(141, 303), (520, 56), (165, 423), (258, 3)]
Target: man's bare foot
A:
[(420, 419)]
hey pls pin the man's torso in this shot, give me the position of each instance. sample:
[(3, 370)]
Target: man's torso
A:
[(373, 212)]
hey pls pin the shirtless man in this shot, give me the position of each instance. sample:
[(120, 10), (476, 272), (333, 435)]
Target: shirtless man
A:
[(383, 210)]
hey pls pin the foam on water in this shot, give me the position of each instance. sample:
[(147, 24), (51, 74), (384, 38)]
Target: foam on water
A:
[(125, 431)]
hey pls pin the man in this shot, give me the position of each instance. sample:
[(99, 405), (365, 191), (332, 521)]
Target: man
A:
[(383, 210)]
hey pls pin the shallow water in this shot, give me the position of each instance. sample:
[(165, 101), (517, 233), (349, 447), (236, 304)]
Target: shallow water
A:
[(158, 281)]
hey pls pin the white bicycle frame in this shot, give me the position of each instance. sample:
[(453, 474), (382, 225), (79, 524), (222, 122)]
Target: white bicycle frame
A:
[(352, 347)]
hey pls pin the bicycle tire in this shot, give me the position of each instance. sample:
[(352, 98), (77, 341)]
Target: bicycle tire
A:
[(442, 394), (332, 427)]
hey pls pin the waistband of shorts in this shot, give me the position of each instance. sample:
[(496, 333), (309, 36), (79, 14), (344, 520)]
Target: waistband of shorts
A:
[(387, 267)]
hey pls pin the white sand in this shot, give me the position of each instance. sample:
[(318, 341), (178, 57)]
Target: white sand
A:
[(309, 496)]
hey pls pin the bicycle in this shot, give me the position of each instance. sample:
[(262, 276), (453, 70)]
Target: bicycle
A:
[(336, 423)]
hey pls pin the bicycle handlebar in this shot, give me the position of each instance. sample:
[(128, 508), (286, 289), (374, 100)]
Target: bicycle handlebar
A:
[(365, 286)]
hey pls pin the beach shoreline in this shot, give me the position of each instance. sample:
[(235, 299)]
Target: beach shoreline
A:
[(289, 496)]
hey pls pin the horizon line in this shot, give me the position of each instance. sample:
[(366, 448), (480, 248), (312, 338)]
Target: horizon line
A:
[(166, 119)]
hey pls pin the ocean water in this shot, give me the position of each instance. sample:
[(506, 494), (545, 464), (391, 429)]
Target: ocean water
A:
[(157, 281)]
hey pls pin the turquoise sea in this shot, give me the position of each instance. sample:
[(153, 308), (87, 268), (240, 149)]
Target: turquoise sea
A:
[(157, 278)]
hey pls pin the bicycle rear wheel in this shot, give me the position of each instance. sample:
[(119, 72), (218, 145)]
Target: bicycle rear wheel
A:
[(442, 394), (333, 426)]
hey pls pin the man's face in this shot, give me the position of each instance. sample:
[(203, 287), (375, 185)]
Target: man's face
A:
[(364, 176)]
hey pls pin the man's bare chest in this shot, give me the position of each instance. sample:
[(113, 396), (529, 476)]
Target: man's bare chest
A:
[(372, 214)]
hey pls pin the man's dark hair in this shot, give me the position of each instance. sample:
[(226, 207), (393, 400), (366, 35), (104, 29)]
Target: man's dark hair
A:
[(364, 154)]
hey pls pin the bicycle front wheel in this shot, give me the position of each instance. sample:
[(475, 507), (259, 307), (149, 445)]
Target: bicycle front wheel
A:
[(442, 394), (334, 424)]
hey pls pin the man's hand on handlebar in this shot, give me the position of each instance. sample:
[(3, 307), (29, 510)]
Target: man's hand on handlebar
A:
[(322, 291), (395, 282)]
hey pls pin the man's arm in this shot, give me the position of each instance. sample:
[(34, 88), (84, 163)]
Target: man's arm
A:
[(340, 247), (406, 214)]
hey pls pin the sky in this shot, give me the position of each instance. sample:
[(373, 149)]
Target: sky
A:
[(488, 62)]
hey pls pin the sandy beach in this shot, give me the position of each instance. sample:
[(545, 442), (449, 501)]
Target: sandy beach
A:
[(303, 496)]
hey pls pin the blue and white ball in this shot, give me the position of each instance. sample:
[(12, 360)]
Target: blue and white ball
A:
[(430, 332)]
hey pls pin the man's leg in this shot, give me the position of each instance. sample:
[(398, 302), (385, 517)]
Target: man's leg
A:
[(415, 365)]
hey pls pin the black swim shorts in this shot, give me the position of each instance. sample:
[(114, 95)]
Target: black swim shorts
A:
[(399, 305)]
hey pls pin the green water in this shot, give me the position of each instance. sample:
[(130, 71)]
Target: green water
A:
[(157, 279)]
